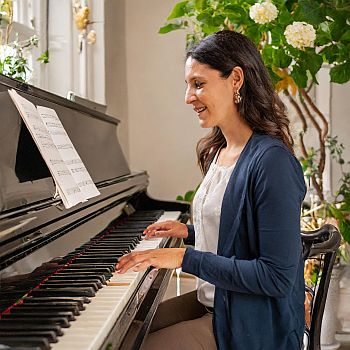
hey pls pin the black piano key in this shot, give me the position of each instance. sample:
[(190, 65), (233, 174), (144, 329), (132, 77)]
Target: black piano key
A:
[(119, 237), (41, 343), (79, 277), (35, 315), (105, 266), (134, 225), (75, 279), (50, 307), (105, 252), (147, 221), (65, 284), (63, 292), (61, 321), (148, 213), (49, 335), (107, 248), (80, 301), (112, 241), (28, 325), (102, 256), (23, 348), (83, 271), (126, 232), (13, 295), (113, 247), (108, 259), (92, 259)]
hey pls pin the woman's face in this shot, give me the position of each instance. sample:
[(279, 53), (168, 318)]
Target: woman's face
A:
[(210, 95)]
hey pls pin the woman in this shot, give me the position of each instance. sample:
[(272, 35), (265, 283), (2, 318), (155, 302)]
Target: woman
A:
[(246, 211)]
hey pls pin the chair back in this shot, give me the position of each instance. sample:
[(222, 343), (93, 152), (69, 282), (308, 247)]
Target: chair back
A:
[(319, 249)]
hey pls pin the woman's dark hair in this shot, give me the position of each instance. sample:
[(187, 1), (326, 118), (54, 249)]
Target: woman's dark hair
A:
[(261, 108)]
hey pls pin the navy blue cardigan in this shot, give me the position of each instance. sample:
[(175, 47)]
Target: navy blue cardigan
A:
[(258, 269)]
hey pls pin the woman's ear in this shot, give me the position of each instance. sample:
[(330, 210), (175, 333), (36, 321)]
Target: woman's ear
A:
[(238, 78)]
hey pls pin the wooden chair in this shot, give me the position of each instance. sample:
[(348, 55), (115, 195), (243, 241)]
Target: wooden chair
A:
[(319, 249)]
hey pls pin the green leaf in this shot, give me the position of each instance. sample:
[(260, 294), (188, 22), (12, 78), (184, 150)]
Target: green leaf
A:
[(336, 212), (277, 36), (323, 35), (179, 198), (274, 77), (210, 23), (200, 5), (253, 33), (189, 196), (44, 57), (284, 18), (179, 10), (235, 13), (337, 28), (267, 55), (340, 74), (309, 11), (344, 229), (330, 53), (299, 75), (170, 27), (344, 52), (312, 61), (346, 36), (281, 59)]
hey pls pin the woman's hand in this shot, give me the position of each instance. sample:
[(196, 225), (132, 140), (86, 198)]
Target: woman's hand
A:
[(168, 258), (166, 229)]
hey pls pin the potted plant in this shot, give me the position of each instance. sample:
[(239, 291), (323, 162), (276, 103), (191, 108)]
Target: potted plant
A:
[(13, 55)]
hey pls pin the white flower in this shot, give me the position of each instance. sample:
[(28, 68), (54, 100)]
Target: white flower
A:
[(300, 35), (34, 40), (263, 13)]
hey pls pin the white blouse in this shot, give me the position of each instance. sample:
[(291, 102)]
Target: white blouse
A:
[(206, 219)]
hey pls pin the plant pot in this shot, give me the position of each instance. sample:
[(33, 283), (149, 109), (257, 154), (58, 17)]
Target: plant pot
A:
[(330, 322)]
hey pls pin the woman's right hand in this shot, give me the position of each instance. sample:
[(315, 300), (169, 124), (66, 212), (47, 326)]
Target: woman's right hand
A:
[(166, 229)]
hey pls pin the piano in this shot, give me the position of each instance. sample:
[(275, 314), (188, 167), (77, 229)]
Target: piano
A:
[(58, 285)]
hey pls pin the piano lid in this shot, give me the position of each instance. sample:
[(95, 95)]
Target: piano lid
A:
[(24, 176)]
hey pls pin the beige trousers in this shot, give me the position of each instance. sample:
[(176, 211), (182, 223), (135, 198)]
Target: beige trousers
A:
[(181, 323)]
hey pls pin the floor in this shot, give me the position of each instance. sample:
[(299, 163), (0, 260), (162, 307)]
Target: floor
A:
[(186, 283)]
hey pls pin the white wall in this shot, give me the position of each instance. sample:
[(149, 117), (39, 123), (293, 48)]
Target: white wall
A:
[(162, 130), (66, 71), (340, 125)]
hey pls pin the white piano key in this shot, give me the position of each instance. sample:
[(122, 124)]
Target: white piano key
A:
[(93, 325)]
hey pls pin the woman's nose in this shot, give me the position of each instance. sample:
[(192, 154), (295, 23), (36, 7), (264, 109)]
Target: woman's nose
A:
[(189, 96)]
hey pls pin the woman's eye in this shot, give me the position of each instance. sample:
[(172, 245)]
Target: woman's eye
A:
[(198, 84)]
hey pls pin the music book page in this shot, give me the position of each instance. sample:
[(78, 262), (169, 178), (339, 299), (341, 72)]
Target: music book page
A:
[(73, 182), (68, 152)]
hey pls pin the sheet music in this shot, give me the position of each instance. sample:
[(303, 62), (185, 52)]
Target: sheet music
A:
[(68, 152), (56, 155)]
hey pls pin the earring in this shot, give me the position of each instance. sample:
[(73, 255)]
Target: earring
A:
[(237, 96)]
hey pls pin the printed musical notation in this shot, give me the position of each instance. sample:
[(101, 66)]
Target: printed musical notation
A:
[(73, 182)]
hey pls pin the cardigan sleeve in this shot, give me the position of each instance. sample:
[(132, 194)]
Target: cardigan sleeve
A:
[(278, 190), (190, 240)]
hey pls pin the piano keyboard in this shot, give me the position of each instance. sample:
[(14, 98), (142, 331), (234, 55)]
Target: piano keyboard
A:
[(102, 301)]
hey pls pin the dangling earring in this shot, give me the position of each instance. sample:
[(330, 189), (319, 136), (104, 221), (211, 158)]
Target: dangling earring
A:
[(237, 96)]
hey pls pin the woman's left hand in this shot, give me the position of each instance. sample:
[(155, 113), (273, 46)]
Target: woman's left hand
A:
[(168, 258)]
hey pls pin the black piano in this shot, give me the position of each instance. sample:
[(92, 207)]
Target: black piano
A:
[(58, 286)]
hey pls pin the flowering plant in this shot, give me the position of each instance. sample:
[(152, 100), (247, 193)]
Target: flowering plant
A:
[(13, 55), (295, 39)]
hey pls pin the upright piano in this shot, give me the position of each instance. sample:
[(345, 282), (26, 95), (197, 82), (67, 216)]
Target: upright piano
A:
[(58, 285)]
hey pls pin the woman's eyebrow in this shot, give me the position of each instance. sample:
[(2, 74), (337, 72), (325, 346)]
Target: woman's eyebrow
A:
[(195, 76)]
